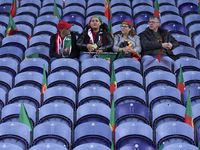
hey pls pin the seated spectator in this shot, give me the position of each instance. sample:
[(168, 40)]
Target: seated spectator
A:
[(63, 44), (128, 41), (155, 38), (95, 39)]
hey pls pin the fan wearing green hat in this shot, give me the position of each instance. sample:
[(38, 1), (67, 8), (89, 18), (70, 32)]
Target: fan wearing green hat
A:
[(95, 39), (128, 41)]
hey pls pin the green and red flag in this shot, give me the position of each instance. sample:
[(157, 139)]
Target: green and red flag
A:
[(181, 83), (55, 11), (13, 10), (161, 147), (24, 118), (108, 14), (113, 83), (11, 26), (156, 9), (188, 112), (112, 122), (159, 55), (44, 81), (34, 55)]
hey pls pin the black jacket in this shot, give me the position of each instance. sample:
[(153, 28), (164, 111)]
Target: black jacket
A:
[(149, 43), (74, 52), (107, 40)]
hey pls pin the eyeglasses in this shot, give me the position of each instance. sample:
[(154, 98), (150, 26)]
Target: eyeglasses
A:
[(122, 26), (152, 22)]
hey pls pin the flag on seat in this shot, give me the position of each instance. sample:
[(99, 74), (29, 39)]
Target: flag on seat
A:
[(13, 10), (161, 147), (44, 81), (181, 83), (108, 14), (55, 11), (11, 26), (188, 112), (113, 83), (156, 9), (35, 55)]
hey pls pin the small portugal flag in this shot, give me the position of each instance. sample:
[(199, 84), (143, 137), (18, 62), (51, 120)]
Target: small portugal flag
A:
[(156, 9), (55, 11), (112, 122), (11, 26), (13, 10), (113, 83), (108, 14), (188, 112), (181, 84), (44, 81)]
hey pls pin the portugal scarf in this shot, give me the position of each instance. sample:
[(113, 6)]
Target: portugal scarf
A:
[(63, 47)]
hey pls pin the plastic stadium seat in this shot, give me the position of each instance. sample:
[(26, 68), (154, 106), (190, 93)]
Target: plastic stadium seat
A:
[(45, 29), (40, 40), (141, 28), (52, 132), (75, 19), (126, 10), (174, 132), (182, 146), (166, 2), (49, 146), (5, 10), (186, 2), (186, 10), (153, 64), (175, 28), (56, 112), (94, 95), (4, 21), (2, 98), (25, 19), (91, 146), (143, 9), (196, 42), (168, 9), (129, 94), (194, 95), (119, 18), (15, 133), (9, 146), (159, 95), (126, 64), (191, 19), (159, 78), (132, 112), (185, 51), (77, 30), (34, 3), (43, 52), (5, 81), (166, 112), (120, 3), (9, 66), (94, 65), (198, 135), (183, 39), (28, 10), (129, 78), (187, 64), (76, 3), (47, 19), (133, 132), (142, 3), (95, 3), (166, 19), (29, 79), (7, 3), (93, 112), (141, 19), (34, 64), (196, 115), (194, 30), (10, 113), (56, 95), (95, 10), (67, 79), (191, 78), (22, 93), (74, 10), (48, 10), (23, 30), (59, 4), (116, 29), (137, 146), (92, 132), (2, 32), (99, 79), (15, 40)]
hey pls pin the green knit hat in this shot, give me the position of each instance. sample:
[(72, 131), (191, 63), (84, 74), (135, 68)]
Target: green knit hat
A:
[(95, 17)]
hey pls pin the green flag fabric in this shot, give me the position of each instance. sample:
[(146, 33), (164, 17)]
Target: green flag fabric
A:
[(11, 26), (161, 147), (55, 11), (112, 122), (188, 112), (181, 84), (156, 9), (35, 55), (108, 14), (108, 57)]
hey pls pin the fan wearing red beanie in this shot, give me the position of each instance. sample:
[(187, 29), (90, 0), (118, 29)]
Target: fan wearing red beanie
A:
[(63, 44), (127, 41)]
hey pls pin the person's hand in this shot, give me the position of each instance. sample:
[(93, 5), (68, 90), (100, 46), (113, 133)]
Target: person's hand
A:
[(126, 49), (131, 50), (170, 45), (90, 47)]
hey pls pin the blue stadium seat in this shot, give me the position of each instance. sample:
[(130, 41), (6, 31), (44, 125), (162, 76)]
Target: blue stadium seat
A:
[(166, 2), (15, 40), (75, 19), (120, 3), (129, 94), (15, 133), (2, 98), (10, 113), (143, 9), (34, 3), (77, 30), (22, 93), (95, 10), (5, 81), (185, 51), (65, 64), (7, 3), (52, 132), (44, 30), (99, 79), (9, 66), (94, 95), (76, 2), (137, 146), (191, 78), (5, 10), (9, 146), (166, 19), (196, 116), (28, 10), (119, 18), (48, 10), (49, 146), (120, 9), (159, 78), (74, 10), (133, 132), (95, 3), (194, 30), (142, 3), (25, 19), (161, 94), (23, 30), (174, 132), (183, 39), (29, 79), (59, 4), (4, 21), (178, 146), (153, 64), (175, 28), (127, 64), (168, 9), (94, 65), (56, 112), (198, 135), (91, 112), (129, 78), (34, 64), (132, 112), (47, 19), (141, 19), (43, 52), (2, 32), (141, 28), (40, 40), (92, 132), (191, 19), (188, 9), (92, 146), (166, 112), (67, 79), (186, 2), (196, 44), (56, 95), (116, 29), (194, 95)]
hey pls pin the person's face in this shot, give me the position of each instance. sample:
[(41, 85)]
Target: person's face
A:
[(64, 32), (95, 23), (125, 29), (154, 24)]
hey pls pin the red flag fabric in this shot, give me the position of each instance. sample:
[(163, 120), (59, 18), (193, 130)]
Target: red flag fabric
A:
[(159, 55), (108, 14), (157, 9), (13, 10)]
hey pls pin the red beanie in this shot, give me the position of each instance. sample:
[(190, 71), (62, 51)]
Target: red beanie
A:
[(128, 22), (64, 24)]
